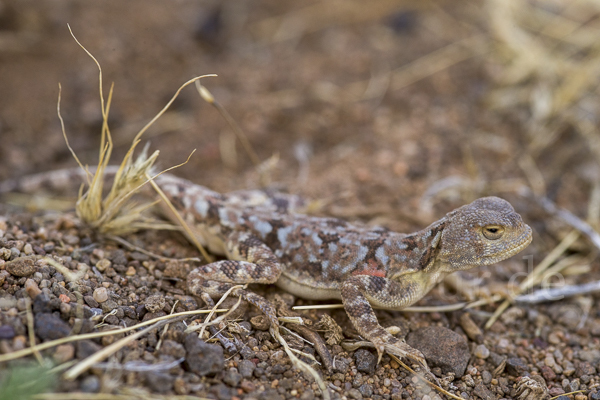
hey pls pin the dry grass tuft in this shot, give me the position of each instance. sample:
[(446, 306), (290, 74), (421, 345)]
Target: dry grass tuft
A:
[(550, 55), (117, 213)]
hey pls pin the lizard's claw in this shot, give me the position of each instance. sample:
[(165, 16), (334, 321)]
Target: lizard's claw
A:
[(401, 349)]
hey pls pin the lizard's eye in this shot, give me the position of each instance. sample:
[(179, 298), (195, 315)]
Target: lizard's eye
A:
[(493, 232)]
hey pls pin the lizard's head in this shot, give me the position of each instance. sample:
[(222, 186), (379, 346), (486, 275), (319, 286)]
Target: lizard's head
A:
[(482, 233)]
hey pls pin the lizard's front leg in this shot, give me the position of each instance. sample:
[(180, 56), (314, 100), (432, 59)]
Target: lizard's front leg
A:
[(360, 291), (250, 261)]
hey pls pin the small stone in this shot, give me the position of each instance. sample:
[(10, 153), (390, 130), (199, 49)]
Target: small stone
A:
[(7, 332), (486, 377), (64, 298), (100, 294), (365, 361), (103, 264), (202, 358), (246, 368), (64, 353), (90, 384), (483, 392), (160, 382), (131, 271), (32, 288), (247, 386), (366, 390), (155, 303), (232, 377), (354, 394), (28, 249), (172, 348), (548, 373), (89, 300), (3, 276), (23, 266), (516, 366), (442, 348), (85, 348), (481, 352), (50, 327)]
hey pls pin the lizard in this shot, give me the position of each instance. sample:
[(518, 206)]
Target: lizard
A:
[(265, 240)]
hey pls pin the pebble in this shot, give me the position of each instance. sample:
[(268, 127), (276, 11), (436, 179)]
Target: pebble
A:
[(64, 353), (28, 249), (155, 303), (159, 382), (202, 358), (232, 377), (23, 266), (100, 294), (516, 366), (50, 327), (90, 384), (354, 394), (103, 264), (32, 288), (442, 348), (89, 300), (481, 352), (7, 332), (365, 361), (246, 368), (483, 392), (3, 276)]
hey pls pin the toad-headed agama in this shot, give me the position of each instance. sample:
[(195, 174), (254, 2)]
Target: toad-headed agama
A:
[(266, 241)]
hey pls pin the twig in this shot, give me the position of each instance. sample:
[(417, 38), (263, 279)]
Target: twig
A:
[(558, 293), (565, 215)]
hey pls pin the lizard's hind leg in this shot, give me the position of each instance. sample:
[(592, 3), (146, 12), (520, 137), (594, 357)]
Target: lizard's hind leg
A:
[(251, 261)]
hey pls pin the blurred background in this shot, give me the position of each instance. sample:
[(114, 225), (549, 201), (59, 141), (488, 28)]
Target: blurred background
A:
[(391, 112)]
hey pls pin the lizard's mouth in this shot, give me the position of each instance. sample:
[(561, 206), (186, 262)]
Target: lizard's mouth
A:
[(521, 243)]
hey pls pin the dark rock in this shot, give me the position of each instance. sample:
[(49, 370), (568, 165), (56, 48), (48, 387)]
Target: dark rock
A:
[(159, 382), (341, 364), (90, 301), (548, 373), (365, 361), (595, 396), (483, 392), (41, 304), (354, 394), (50, 327), (516, 367), (202, 358), (85, 348), (222, 392), (279, 369), (486, 377), (442, 348), (108, 306), (90, 384), (366, 390), (172, 348), (232, 377), (270, 394), (23, 266), (246, 368), (7, 332), (247, 353), (585, 368)]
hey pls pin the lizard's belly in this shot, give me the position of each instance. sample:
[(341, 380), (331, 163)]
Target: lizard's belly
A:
[(307, 290)]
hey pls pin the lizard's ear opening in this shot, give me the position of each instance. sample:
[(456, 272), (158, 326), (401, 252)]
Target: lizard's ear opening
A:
[(493, 232)]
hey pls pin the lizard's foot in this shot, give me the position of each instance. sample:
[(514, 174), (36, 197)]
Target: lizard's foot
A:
[(399, 348)]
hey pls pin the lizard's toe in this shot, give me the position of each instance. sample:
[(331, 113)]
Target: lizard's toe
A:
[(401, 349)]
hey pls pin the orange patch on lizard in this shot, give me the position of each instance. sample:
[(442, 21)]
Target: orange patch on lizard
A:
[(371, 270)]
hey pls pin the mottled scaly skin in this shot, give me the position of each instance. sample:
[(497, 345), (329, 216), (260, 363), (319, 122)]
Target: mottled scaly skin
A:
[(320, 258), (266, 241)]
